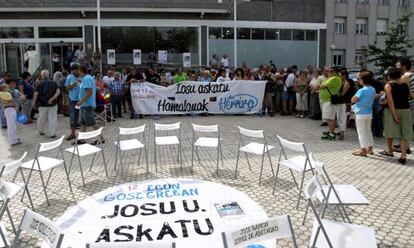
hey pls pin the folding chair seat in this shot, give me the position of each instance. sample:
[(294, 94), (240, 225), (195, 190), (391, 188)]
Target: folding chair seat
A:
[(337, 195), (42, 164), (83, 150), (253, 148), (53, 236), (299, 163), (280, 227), (336, 234), (168, 140), (130, 144), (212, 142)]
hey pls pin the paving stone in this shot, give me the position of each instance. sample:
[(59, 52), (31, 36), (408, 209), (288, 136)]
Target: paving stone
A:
[(388, 185)]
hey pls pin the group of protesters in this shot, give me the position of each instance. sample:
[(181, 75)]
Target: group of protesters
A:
[(328, 94)]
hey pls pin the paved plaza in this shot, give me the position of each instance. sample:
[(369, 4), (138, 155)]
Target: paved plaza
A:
[(388, 185)]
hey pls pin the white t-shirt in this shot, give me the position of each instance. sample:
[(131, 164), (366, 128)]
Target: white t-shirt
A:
[(290, 81), (81, 55), (107, 80), (225, 62), (222, 79)]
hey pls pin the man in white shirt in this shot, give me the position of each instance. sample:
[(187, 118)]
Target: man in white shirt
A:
[(80, 54), (108, 78), (289, 95), (225, 61)]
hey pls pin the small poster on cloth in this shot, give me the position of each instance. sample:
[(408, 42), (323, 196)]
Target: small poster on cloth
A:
[(110, 54), (187, 60), (162, 56), (137, 56), (229, 209)]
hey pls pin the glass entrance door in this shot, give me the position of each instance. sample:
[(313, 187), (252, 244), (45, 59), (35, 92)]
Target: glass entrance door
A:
[(14, 58)]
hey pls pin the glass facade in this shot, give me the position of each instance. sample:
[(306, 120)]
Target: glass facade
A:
[(176, 40), (256, 46), (60, 32), (16, 32)]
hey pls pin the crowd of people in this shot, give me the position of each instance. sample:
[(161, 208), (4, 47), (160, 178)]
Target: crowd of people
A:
[(376, 107)]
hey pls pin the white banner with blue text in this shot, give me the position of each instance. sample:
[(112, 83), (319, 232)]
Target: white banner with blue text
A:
[(232, 97)]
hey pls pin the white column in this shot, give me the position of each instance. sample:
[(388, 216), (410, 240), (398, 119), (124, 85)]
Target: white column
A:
[(235, 32), (98, 25)]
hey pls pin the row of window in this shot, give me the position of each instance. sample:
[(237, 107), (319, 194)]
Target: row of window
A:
[(263, 34), (361, 26), (338, 58), (379, 2), (44, 32)]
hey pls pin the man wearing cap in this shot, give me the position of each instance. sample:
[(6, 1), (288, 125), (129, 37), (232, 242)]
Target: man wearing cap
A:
[(329, 90), (72, 86)]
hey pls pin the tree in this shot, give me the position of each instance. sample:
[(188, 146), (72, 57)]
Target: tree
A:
[(396, 42)]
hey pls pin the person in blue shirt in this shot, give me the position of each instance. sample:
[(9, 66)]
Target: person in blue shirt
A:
[(72, 86), (363, 103), (87, 102)]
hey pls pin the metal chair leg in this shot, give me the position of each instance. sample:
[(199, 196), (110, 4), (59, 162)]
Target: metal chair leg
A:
[(306, 214), (237, 163), (300, 190), (104, 162), (139, 156), (155, 157), (26, 189), (48, 178), (218, 158), (93, 160), (181, 157), (44, 188), (67, 177), (192, 158), (261, 170), (146, 158), (11, 220), (277, 173), (270, 162), (71, 162), (294, 179), (81, 170), (248, 163), (198, 155), (116, 157)]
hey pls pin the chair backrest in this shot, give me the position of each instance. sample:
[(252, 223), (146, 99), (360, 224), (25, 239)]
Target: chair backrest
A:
[(312, 187), (274, 228), (40, 226), (130, 131), (153, 244), (44, 147), (251, 133), (205, 129), (12, 166), (90, 135), (167, 127), (294, 146)]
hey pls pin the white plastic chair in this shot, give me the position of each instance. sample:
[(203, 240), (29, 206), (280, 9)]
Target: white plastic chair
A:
[(168, 140), (42, 163), (214, 142), (4, 238), (41, 227), (130, 144), (281, 226), (12, 188), (103, 115), (336, 234), (299, 163), (253, 148), (338, 195), (152, 244), (86, 149)]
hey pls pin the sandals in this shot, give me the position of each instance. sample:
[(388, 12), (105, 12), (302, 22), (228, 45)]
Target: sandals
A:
[(385, 153), (358, 153)]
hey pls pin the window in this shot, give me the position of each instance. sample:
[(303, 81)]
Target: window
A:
[(311, 35), (403, 2), (298, 34), (285, 34), (258, 34), (382, 26), (383, 2), (362, 1), (60, 32), (341, 1), (215, 33), (403, 29), (340, 25), (228, 33), (360, 59), (361, 26), (16, 32), (272, 34), (243, 33), (338, 59)]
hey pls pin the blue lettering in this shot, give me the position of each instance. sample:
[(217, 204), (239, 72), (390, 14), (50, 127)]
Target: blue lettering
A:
[(194, 191), (238, 103), (109, 198), (121, 197)]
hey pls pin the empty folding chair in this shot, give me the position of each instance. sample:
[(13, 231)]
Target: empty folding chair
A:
[(83, 150), (253, 148), (4, 238), (42, 164), (152, 244), (338, 195), (41, 227), (299, 163), (11, 189), (214, 142), (130, 144), (168, 140), (335, 234), (274, 228)]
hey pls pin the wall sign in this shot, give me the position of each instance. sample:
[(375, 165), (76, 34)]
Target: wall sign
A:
[(136, 56), (189, 212), (233, 97), (110, 54)]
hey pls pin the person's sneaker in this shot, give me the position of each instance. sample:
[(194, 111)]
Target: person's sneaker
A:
[(325, 133), (41, 133), (341, 136), (80, 142), (330, 137), (324, 124)]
